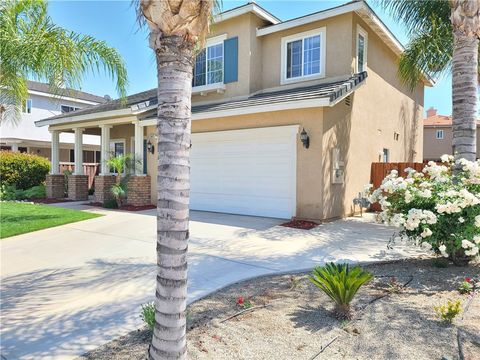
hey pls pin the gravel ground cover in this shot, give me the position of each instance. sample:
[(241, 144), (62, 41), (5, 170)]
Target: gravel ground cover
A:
[(292, 319)]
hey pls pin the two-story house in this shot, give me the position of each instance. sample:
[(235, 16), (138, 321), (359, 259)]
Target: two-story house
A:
[(287, 116), (438, 135), (24, 136)]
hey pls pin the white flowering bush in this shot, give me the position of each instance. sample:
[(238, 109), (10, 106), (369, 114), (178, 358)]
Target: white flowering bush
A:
[(434, 208)]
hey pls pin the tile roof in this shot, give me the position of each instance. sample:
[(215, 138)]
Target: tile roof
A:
[(440, 120), (331, 90), (77, 94)]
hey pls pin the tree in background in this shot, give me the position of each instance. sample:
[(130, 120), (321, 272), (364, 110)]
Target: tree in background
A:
[(177, 28), (32, 46), (444, 37)]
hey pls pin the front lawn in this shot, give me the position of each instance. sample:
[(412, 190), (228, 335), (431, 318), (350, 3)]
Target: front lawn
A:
[(20, 218)]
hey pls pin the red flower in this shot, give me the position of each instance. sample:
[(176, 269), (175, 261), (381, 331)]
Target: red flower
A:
[(469, 280), (240, 300)]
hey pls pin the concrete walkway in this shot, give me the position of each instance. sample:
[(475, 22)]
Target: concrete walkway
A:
[(68, 289)]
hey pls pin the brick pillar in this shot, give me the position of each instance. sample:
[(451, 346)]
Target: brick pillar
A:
[(78, 187), (103, 186), (55, 186), (138, 190)]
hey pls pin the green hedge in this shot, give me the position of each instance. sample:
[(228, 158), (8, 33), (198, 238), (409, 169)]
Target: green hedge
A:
[(22, 170)]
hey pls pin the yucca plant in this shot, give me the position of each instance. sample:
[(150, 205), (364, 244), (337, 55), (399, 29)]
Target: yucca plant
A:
[(340, 282)]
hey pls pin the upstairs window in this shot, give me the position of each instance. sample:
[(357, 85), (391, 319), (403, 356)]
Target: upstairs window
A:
[(439, 134), (27, 106), (362, 39), (303, 55), (208, 68), (67, 108)]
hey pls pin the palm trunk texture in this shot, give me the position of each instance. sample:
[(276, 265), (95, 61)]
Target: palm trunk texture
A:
[(175, 63), (465, 22)]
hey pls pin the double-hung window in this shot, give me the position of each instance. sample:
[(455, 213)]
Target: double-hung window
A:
[(208, 68), (362, 41), (303, 55), (27, 106), (439, 134)]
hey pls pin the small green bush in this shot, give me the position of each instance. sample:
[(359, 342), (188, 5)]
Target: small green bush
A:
[(148, 315), (22, 170), (449, 311), (9, 192), (35, 192), (110, 204), (340, 282)]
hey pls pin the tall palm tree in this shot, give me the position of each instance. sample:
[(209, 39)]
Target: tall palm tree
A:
[(33, 46), (177, 28), (444, 37)]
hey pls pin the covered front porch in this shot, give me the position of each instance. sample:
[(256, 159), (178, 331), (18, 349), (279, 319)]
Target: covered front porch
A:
[(117, 137)]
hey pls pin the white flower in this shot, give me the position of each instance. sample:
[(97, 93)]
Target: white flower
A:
[(472, 252), (476, 239), (446, 158), (477, 221), (461, 220), (408, 197), (467, 244), (442, 248), (426, 245), (426, 233)]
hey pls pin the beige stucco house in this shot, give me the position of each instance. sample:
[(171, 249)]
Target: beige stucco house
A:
[(437, 135), (287, 117)]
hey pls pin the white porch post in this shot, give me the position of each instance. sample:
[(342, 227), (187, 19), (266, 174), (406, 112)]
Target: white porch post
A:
[(78, 151), (14, 147), (55, 152), (105, 149), (138, 148)]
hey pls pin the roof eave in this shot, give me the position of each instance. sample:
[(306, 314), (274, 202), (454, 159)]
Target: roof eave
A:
[(245, 9)]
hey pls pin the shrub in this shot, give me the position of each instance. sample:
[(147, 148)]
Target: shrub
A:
[(110, 204), (35, 192), (340, 282), (22, 170), (148, 315), (9, 192), (119, 192), (436, 208), (449, 311), (467, 286)]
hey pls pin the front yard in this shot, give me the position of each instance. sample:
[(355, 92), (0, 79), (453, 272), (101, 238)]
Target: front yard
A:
[(20, 218)]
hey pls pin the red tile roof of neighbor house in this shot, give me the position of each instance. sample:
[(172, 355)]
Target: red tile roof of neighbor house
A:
[(433, 119)]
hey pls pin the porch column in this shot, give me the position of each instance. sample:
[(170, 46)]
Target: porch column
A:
[(78, 151), (14, 147), (105, 149), (55, 156), (138, 148)]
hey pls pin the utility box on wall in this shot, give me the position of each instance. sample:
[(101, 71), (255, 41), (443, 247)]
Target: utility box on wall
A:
[(338, 167)]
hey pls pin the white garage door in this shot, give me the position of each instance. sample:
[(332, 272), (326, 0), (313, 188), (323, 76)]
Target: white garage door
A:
[(250, 172)]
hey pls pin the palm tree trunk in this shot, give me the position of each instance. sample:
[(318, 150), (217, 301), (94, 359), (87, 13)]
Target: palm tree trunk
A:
[(174, 56), (465, 22)]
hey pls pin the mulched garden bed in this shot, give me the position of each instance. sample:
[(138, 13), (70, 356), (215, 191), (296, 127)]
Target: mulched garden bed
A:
[(300, 224), (124, 207), (50, 201), (292, 319)]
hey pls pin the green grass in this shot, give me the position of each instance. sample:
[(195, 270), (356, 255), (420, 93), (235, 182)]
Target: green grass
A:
[(20, 218)]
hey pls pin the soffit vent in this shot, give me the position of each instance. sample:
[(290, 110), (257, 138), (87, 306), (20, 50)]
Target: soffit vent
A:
[(348, 101)]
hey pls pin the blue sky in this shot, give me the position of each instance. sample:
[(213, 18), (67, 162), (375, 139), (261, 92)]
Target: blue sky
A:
[(115, 22)]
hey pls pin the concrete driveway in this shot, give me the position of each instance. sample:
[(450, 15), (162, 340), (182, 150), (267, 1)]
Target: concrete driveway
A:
[(68, 289)]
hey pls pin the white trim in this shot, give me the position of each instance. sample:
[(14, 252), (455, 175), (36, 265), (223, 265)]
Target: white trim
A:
[(214, 41), (29, 100), (309, 18), (66, 98), (112, 151), (71, 106), (92, 116), (361, 31), (219, 87), (439, 131), (322, 32), (261, 13)]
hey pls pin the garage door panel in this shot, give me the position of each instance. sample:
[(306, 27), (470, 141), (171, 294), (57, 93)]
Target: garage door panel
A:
[(248, 172)]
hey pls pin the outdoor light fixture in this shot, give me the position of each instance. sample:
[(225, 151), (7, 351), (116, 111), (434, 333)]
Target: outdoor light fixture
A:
[(305, 139), (150, 147)]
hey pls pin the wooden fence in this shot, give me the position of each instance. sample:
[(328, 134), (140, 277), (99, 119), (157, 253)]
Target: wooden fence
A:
[(90, 169), (380, 170)]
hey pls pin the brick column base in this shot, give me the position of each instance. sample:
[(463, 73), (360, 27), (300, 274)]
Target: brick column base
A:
[(55, 186), (103, 187), (138, 190), (78, 187)]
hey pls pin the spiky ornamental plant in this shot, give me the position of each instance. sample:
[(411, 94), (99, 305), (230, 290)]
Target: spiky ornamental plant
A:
[(33, 46), (340, 282), (444, 37)]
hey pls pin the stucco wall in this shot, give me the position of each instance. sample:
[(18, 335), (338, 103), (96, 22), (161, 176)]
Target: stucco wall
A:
[(433, 148)]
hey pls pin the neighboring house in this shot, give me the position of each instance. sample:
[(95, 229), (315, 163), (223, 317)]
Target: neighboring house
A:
[(285, 120), (437, 135), (42, 104)]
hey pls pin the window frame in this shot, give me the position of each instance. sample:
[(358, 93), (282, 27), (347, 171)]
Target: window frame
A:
[(364, 33), (27, 109), (70, 106), (217, 40), (322, 32), (112, 151), (439, 131), (386, 155)]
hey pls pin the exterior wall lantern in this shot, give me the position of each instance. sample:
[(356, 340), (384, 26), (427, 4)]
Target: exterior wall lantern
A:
[(305, 139), (150, 147)]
